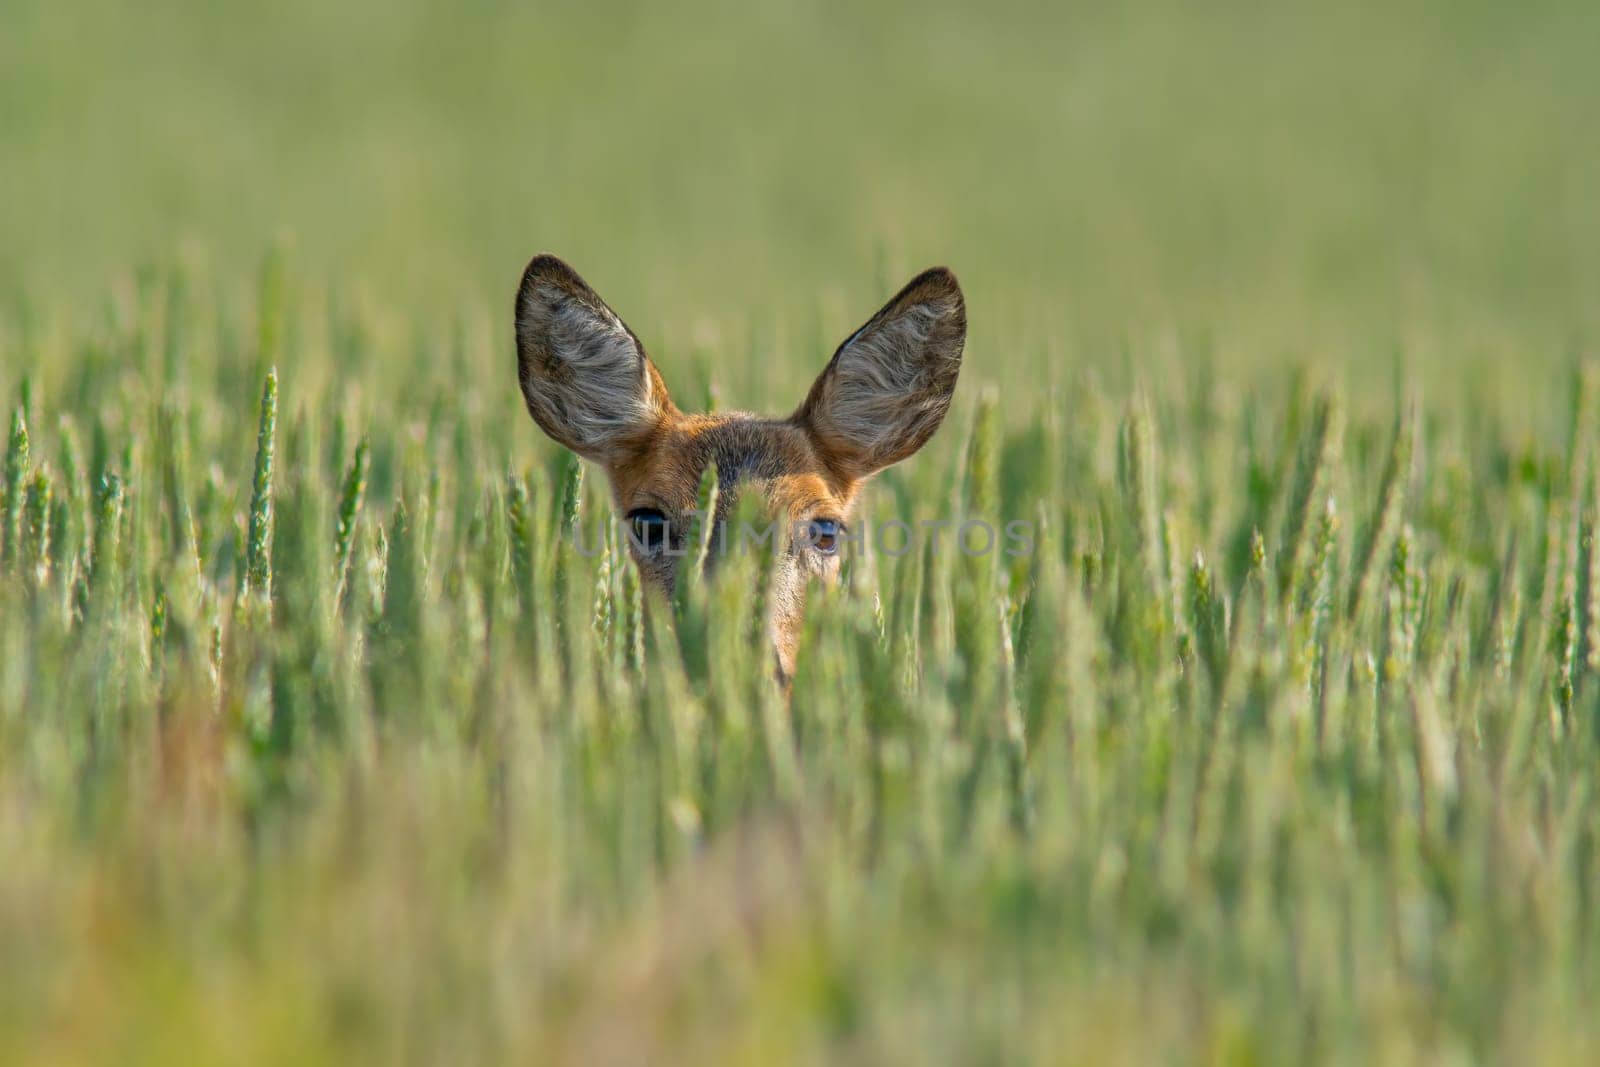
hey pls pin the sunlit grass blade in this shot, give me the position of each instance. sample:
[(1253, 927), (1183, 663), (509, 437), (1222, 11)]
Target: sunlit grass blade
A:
[(16, 474), (258, 546), (1384, 525), (351, 496)]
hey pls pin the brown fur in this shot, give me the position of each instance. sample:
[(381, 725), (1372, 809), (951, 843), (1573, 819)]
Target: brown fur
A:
[(590, 386)]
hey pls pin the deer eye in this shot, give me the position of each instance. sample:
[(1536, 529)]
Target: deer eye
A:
[(824, 535), (649, 529)]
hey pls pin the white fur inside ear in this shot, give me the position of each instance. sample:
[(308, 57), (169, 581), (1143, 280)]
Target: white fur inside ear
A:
[(890, 385), (887, 378), (583, 374)]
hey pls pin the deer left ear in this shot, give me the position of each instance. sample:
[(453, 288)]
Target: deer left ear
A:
[(888, 387), (584, 375)]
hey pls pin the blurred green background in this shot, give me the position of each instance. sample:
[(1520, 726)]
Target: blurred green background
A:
[(1306, 180)]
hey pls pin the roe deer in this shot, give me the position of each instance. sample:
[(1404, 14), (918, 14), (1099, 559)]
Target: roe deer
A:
[(590, 386)]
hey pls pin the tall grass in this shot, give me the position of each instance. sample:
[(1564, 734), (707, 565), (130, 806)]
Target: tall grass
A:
[(313, 747)]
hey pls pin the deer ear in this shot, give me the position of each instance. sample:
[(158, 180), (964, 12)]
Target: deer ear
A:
[(584, 375), (887, 388)]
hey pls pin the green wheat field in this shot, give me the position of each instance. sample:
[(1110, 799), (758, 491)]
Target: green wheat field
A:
[(320, 743)]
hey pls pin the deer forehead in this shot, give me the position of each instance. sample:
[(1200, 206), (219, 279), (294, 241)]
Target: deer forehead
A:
[(775, 457)]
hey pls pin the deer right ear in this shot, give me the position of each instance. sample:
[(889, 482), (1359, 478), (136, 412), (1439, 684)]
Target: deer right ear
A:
[(887, 388), (584, 375)]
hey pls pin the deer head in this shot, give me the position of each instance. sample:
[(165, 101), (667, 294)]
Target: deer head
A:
[(589, 386)]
